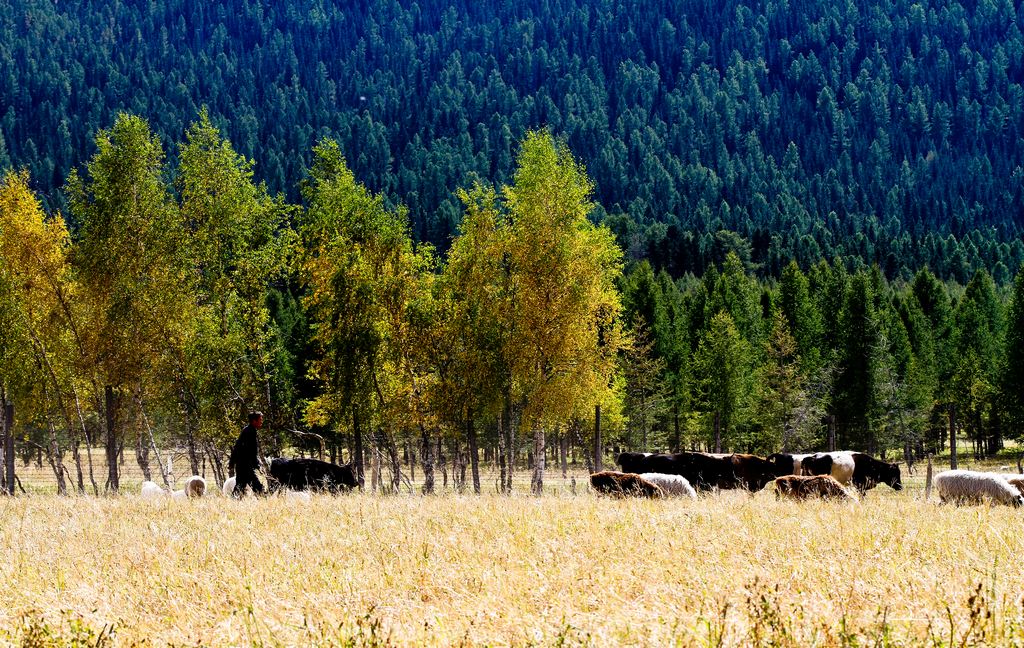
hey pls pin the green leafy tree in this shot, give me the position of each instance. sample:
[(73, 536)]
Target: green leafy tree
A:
[(237, 248), (1012, 384), (355, 264), (133, 265), (722, 363)]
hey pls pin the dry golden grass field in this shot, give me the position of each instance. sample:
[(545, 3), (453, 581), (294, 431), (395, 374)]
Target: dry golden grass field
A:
[(727, 570)]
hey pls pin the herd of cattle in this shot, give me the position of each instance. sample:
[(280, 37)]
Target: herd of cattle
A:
[(289, 476), (824, 475)]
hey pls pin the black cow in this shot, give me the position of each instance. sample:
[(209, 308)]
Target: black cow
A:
[(868, 472), (632, 460), (754, 473), (703, 471), (817, 464), (311, 474)]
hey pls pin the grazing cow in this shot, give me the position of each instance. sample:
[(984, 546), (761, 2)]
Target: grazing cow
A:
[(151, 489), (838, 464), (671, 485), (632, 462), (705, 471), (305, 474), (788, 464), (624, 485), (973, 487), (753, 472), (801, 487), (868, 472)]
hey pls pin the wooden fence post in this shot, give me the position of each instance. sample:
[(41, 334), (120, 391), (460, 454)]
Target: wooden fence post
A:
[(928, 479)]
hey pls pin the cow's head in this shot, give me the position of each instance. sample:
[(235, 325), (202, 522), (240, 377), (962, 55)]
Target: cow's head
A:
[(891, 476), (782, 464)]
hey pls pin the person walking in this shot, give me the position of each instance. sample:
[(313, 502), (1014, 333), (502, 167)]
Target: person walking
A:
[(245, 455)]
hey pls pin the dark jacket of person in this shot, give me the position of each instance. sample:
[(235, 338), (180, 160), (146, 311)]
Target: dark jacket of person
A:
[(245, 454)]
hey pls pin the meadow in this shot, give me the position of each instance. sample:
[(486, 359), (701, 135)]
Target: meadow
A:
[(563, 569)]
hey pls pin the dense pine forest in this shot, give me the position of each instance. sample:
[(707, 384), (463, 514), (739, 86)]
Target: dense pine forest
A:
[(509, 233), (883, 132)]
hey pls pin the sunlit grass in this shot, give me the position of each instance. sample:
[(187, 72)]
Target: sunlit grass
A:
[(441, 570)]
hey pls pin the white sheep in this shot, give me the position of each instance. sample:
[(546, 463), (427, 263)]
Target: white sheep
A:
[(195, 486), (671, 485), (229, 487), (973, 487), (151, 490)]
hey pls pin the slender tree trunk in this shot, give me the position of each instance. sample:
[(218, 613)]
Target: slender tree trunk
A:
[(54, 457), (598, 446), (474, 454), (537, 483), (509, 434), (77, 454), (396, 464), (928, 479), (358, 449), (675, 427), (718, 432), (193, 455), (164, 471), (428, 461), (831, 432), (113, 477), (411, 452), (8, 426), (375, 480), (142, 456), (92, 470), (952, 437), (443, 462), (563, 448), (215, 464), (501, 466), (462, 471)]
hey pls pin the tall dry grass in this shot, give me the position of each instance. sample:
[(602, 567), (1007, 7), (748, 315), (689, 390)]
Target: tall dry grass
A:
[(729, 569)]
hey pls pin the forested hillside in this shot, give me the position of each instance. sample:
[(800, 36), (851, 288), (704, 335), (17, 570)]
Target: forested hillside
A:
[(185, 297), (883, 131)]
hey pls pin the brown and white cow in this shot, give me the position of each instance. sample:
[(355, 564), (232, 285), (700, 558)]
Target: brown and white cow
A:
[(620, 484)]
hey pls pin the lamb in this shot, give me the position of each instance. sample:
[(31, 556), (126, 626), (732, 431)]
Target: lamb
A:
[(624, 485), (973, 487), (151, 490), (195, 486), (229, 487), (803, 487), (671, 485)]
